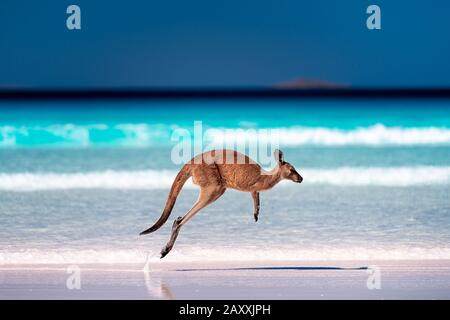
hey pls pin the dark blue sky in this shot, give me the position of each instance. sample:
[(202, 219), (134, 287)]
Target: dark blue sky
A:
[(210, 43)]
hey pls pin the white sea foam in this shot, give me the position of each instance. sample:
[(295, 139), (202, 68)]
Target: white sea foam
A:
[(150, 179), (162, 179), (391, 176), (192, 254)]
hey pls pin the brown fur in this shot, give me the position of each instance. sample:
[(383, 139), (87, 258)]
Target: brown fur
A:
[(215, 171)]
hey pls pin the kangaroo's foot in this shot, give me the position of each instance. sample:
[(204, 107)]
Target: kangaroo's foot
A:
[(175, 230), (165, 251), (255, 215)]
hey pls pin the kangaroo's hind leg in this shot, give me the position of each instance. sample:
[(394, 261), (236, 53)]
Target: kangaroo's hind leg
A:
[(207, 196)]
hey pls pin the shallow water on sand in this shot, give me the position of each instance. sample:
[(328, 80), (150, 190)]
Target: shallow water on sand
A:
[(296, 222)]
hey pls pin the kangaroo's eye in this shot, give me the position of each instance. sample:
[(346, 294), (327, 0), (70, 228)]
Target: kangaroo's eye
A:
[(292, 171)]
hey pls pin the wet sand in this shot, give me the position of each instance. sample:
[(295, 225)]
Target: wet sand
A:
[(429, 279)]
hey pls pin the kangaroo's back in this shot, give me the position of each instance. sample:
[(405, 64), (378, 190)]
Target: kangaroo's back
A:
[(230, 168)]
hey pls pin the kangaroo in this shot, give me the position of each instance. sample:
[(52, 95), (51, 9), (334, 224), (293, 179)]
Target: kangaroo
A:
[(214, 175)]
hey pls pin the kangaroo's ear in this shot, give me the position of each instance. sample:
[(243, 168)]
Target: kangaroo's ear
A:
[(278, 154)]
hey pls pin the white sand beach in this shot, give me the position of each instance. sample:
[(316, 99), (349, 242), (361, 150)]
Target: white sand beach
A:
[(427, 279)]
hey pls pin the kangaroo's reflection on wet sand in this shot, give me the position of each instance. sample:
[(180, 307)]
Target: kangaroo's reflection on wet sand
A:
[(156, 288)]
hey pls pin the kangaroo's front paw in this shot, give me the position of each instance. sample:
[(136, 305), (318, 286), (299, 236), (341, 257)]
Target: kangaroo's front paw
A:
[(255, 215)]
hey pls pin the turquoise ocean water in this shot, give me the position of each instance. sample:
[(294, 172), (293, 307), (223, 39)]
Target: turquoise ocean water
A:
[(79, 180)]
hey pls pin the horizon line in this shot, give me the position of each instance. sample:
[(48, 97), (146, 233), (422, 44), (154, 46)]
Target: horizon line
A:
[(220, 93)]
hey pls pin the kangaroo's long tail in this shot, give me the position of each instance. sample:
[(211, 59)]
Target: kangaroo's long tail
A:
[(177, 185)]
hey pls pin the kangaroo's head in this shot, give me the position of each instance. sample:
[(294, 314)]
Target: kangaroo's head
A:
[(287, 170)]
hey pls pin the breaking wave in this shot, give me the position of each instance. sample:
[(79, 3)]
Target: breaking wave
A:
[(377, 135), (144, 135)]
